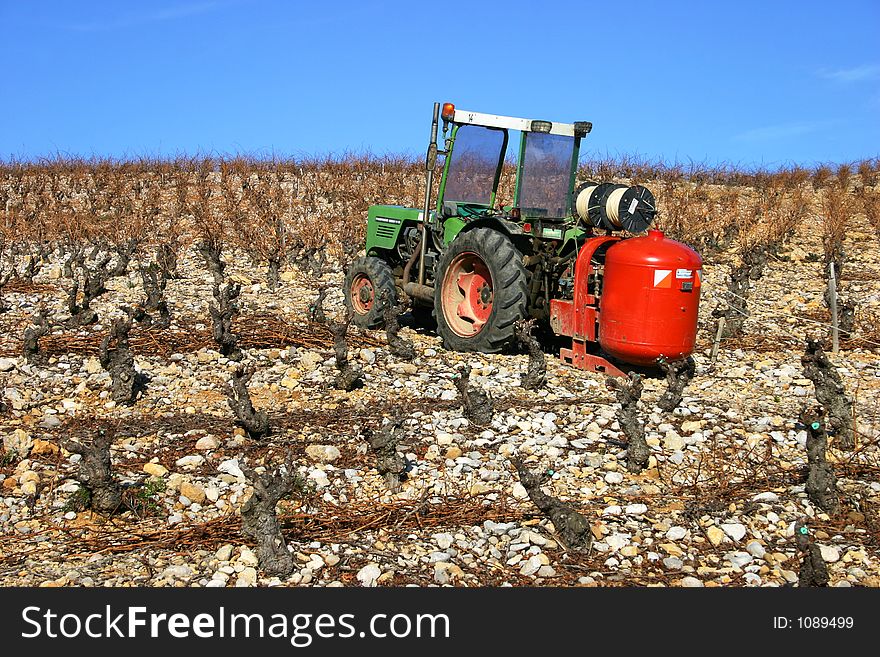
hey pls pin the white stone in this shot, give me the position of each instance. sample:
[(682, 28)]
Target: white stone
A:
[(368, 575), (735, 530), (441, 573), (739, 559), (636, 509), (531, 566), (19, 441), (617, 541), (444, 438), (676, 533), (673, 563), (519, 491), (320, 478), (752, 579), (177, 572), (310, 360), (207, 442), (323, 453), (247, 577), (247, 558), (190, 461), (613, 478), (829, 553), (231, 467), (756, 549), (444, 541), (672, 441)]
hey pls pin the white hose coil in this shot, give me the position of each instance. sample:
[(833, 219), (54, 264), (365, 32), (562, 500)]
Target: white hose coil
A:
[(582, 202), (612, 205)]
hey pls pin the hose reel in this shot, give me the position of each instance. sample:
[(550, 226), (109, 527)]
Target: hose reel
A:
[(615, 207)]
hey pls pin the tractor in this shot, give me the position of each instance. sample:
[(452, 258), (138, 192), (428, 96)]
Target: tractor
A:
[(579, 258)]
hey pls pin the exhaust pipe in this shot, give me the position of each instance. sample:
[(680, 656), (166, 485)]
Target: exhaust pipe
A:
[(430, 163)]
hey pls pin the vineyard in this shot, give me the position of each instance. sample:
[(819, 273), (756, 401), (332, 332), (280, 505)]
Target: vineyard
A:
[(184, 403)]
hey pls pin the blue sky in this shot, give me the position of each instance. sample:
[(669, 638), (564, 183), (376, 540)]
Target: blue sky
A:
[(749, 83)]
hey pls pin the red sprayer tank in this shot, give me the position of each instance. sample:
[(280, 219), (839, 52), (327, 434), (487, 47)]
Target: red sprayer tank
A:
[(650, 298)]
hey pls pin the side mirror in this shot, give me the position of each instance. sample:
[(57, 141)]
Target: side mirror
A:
[(431, 159)]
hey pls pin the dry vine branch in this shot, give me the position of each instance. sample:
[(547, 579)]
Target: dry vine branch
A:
[(155, 280), (32, 335), (536, 375), (837, 207), (316, 309), (119, 363), (95, 474), (814, 571), (349, 377), (389, 462), (678, 374), (830, 393), (628, 394), (255, 423), (80, 315), (821, 484), (222, 314), (477, 404), (573, 527), (210, 252), (734, 305), (259, 520), (399, 347)]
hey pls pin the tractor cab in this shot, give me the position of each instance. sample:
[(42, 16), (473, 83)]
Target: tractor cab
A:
[(476, 150)]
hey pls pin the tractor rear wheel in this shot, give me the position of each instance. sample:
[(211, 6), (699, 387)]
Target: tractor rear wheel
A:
[(365, 282), (479, 291)]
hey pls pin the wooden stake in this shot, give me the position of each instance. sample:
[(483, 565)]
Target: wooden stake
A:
[(721, 322), (832, 294)]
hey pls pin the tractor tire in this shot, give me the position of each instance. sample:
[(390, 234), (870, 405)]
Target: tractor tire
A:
[(367, 278), (479, 292)]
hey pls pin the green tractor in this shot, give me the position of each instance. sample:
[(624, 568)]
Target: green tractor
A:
[(480, 266)]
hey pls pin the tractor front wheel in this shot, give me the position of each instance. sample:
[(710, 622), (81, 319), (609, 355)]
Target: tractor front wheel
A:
[(365, 282), (479, 291)]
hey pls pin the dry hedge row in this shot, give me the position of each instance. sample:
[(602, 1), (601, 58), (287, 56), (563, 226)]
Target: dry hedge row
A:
[(280, 211)]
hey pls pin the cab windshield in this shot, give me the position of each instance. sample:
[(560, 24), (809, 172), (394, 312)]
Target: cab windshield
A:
[(473, 166), (545, 176)]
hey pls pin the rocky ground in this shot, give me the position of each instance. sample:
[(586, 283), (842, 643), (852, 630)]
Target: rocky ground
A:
[(716, 507)]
